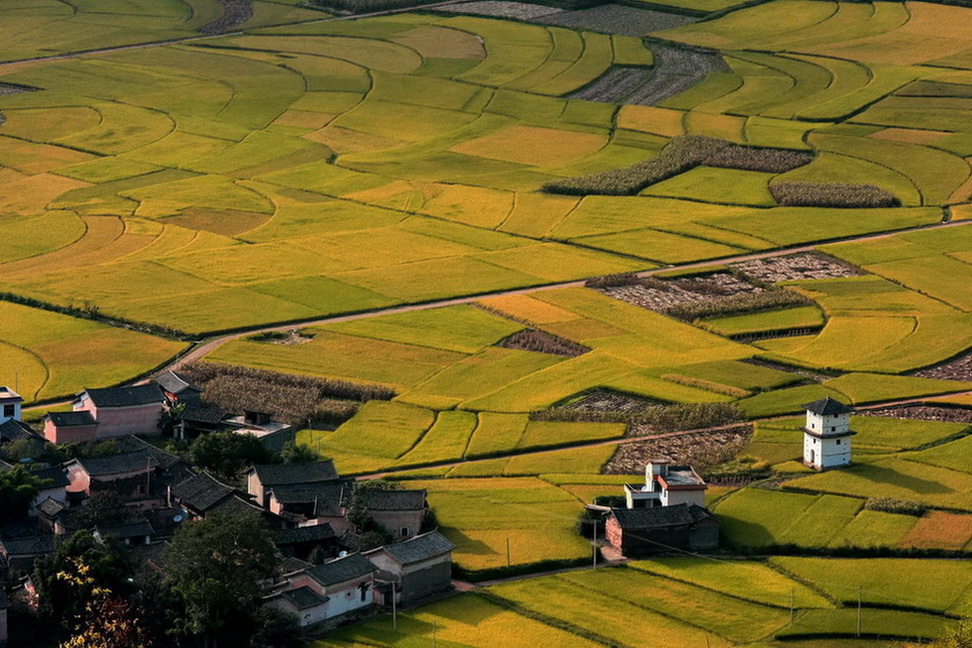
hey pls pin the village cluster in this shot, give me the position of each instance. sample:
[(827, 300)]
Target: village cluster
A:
[(321, 578)]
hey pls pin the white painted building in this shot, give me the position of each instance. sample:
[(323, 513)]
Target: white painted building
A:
[(827, 435), (666, 485), (10, 402)]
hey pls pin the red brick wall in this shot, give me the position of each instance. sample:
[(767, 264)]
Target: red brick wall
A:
[(55, 434)]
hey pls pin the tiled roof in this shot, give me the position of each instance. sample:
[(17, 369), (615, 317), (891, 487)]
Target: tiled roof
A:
[(660, 517), (299, 473), (123, 462), (314, 533), (54, 476), (12, 430), (71, 419), (125, 396), (28, 545), (326, 498), (132, 443), (340, 570), (51, 507), (421, 547), (303, 597), (209, 415), (174, 383), (289, 565), (202, 492), (8, 394), (394, 500), (827, 407), (137, 529)]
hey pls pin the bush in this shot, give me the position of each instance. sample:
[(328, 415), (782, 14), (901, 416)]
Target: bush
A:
[(768, 160), (737, 304), (688, 416), (834, 194), (742, 468), (297, 400), (892, 505), (681, 154), (614, 280)]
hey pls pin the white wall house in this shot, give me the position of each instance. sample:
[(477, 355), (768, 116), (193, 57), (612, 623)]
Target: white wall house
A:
[(666, 485), (827, 435), (10, 402)]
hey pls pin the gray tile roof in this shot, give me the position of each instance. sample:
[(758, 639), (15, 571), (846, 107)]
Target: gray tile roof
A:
[(132, 443), (660, 517), (421, 547), (71, 419), (13, 430), (827, 407), (51, 507), (125, 396), (340, 570), (208, 415), (123, 462), (394, 500), (299, 473), (314, 533), (202, 492), (54, 476), (303, 597), (175, 383), (326, 498), (28, 545), (137, 529)]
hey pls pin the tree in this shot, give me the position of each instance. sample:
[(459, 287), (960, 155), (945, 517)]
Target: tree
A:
[(66, 580), (102, 508), (18, 489), (292, 453), (958, 637), (108, 621), (215, 568), (228, 454)]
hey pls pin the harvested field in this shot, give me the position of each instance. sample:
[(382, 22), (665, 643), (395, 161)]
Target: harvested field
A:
[(542, 342), (675, 69), (703, 450), (959, 368), (616, 19), (500, 9), (235, 13), (925, 413), (660, 295), (796, 267), (607, 400)]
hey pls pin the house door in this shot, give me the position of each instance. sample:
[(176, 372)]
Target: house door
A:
[(813, 457)]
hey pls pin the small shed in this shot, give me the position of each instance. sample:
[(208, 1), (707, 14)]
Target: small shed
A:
[(661, 529)]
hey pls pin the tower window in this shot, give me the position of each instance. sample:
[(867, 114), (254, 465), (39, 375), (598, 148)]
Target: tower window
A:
[(838, 441)]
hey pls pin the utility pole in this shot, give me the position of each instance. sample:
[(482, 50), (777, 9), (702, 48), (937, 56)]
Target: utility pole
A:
[(858, 611), (508, 562), (595, 544), (394, 595)]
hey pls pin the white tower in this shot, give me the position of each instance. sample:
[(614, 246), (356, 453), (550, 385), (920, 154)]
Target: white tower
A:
[(826, 437), (9, 404)]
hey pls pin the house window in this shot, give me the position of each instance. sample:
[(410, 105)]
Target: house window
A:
[(833, 428), (404, 532), (838, 441), (8, 410), (364, 592)]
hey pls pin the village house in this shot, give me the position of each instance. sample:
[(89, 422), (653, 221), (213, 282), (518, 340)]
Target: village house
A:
[(827, 435), (661, 529), (415, 569), (400, 512), (327, 592), (53, 486), (306, 542), (666, 485), (19, 553), (202, 494), (10, 403), (16, 431), (107, 413), (263, 480), (178, 390)]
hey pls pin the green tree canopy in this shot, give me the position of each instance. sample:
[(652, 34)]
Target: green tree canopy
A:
[(228, 454)]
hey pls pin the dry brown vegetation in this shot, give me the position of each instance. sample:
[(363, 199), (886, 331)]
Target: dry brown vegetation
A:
[(768, 160), (832, 194), (959, 368), (703, 451), (543, 342), (297, 400)]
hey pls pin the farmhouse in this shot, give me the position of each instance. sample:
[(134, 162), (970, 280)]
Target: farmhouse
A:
[(827, 435), (10, 402), (415, 569), (107, 413), (262, 480), (328, 591), (400, 512), (666, 485), (178, 390), (661, 529)]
